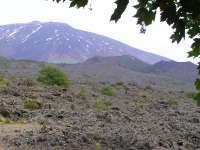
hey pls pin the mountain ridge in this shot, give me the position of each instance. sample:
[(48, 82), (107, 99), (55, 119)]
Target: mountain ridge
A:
[(60, 43), (127, 69)]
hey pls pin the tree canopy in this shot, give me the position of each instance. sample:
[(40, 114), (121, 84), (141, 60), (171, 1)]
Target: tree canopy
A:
[(183, 16)]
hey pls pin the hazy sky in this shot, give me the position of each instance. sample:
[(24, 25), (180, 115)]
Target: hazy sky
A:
[(156, 39)]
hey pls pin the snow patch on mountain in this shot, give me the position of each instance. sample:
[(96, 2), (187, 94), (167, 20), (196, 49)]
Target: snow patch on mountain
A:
[(59, 41), (49, 39), (33, 32), (14, 32)]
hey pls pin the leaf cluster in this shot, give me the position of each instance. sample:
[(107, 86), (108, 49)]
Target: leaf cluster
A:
[(77, 3)]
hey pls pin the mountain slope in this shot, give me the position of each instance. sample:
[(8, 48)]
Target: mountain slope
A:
[(115, 69), (185, 71), (60, 43), (127, 69), (124, 61)]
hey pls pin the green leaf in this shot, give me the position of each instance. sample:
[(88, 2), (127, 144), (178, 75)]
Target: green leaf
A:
[(78, 3), (145, 16), (194, 30), (196, 48), (121, 6), (59, 1)]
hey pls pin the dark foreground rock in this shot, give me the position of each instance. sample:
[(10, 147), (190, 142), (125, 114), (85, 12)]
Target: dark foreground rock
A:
[(81, 118)]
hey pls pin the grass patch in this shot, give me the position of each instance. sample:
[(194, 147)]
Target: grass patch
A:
[(173, 102), (197, 99), (177, 82), (107, 90), (68, 124), (3, 82), (72, 105), (97, 145), (29, 82), (101, 105), (120, 83), (32, 104), (141, 102), (195, 96), (82, 93), (5, 121), (21, 121), (198, 102), (191, 95), (9, 121)]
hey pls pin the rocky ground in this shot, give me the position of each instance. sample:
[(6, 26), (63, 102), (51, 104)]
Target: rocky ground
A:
[(37, 117)]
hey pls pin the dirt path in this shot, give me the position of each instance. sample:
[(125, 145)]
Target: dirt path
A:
[(16, 129)]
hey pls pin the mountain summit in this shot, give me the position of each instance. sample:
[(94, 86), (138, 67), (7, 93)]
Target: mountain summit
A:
[(61, 43)]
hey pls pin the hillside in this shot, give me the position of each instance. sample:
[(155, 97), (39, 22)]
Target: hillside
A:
[(130, 69), (186, 71), (35, 117), (60, 43), (127, 69), (112, 103)]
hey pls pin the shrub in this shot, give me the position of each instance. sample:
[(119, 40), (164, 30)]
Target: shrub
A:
[(197, 99), (198, 102), (102, 105), (26, 81), (3, 82), (50, 75), (72, 105), (107, 90), (97, 145), (5, 121), (9, 121), (82, 94), (191, 95), (194, 96), (120, 83), (173, 102), (141, 103), (32, 104)]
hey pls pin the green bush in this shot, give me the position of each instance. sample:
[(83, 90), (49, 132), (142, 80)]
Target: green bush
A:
[(107, 90), (197, 99), (5, 121), (3, 82), (27, 81), (120, 83), (194, 96), (198, 102), (97, 145), (32, 104), (101, 105), (72, 105), (191, 95), (173, 102), (50, 75)]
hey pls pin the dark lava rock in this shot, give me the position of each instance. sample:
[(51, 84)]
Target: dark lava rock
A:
[(4, 112)]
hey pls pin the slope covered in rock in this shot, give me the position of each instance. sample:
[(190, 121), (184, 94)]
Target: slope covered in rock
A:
[(82, 117)]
